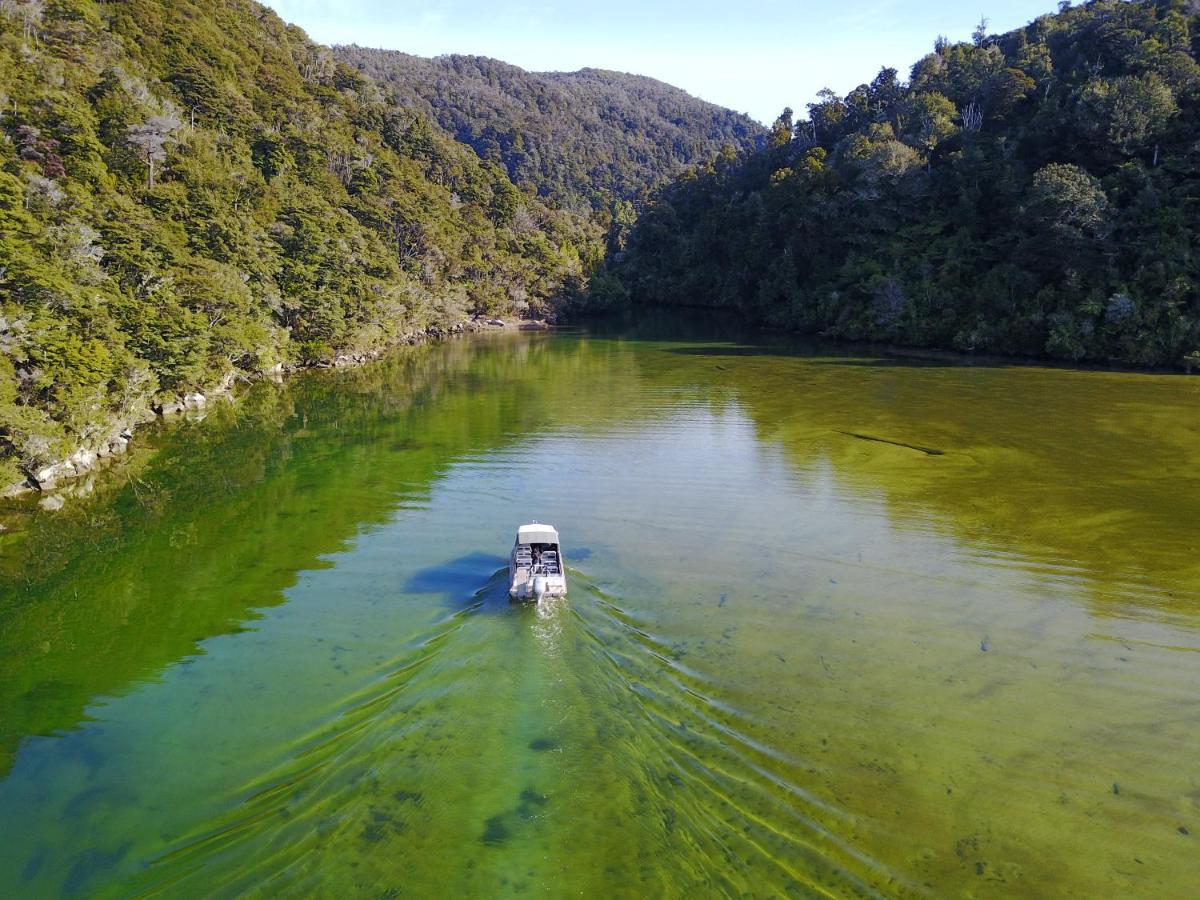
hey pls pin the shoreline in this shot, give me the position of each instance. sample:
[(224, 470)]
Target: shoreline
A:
[(767, 332), (59, 481)]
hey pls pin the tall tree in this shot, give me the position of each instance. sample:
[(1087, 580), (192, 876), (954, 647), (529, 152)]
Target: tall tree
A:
[(150, 140)]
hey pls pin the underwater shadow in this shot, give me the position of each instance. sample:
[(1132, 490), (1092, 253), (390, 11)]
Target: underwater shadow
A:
[(458, 581), (477, 582)]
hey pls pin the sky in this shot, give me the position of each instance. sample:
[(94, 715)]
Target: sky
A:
[(754, 56)]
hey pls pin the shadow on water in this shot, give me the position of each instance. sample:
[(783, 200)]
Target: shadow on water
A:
[(479, 582), (458, 580), (709, 332), (816, 354), (726, 333)]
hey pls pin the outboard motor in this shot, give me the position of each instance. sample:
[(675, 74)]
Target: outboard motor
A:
[(539, 586)]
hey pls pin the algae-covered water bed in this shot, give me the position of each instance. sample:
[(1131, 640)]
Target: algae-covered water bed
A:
[(838, 625)]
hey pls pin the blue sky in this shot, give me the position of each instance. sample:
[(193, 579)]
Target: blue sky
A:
[(755, 56)]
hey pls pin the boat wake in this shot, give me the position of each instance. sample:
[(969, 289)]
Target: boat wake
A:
[(557, 696)]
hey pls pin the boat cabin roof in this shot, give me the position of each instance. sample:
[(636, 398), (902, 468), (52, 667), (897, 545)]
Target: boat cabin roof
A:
[(537, 534)]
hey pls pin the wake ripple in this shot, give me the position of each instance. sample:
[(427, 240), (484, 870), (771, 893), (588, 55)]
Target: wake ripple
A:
[(743, 794)]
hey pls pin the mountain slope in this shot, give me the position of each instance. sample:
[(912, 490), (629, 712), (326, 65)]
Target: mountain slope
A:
[(1035, 193), (585, 138), (190, 189)]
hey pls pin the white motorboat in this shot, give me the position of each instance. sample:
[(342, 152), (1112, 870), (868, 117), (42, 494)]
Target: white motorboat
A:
[(535, 567)]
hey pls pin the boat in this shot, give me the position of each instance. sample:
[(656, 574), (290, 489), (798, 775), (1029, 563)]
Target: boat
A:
[(535, 567)]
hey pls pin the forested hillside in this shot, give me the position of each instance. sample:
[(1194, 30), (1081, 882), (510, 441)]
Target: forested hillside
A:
[(585, 138), (1033, 193), (192, 189)]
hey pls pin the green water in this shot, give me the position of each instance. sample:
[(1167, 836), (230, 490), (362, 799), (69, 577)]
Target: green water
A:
[(274, 654)]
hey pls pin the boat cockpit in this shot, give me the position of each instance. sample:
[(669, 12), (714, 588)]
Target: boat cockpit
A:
[(539, 559)]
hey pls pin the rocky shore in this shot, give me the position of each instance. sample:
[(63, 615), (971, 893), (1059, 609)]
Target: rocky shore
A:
[(69, 477)]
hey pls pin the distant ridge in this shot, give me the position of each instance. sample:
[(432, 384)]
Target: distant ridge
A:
[(583, 138)]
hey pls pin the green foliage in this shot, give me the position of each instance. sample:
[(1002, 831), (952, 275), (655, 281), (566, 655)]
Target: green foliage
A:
[(931, 120), (191, 188), (1126, 113), (1069, 201), (585, 139), (1032, 193)]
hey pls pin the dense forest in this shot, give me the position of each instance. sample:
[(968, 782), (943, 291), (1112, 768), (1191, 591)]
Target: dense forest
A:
[(592, 140), (190, 190), (1035, 193)]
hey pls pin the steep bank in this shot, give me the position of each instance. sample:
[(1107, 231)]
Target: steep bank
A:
[(1031, 194), (71, 476), (192, 192)]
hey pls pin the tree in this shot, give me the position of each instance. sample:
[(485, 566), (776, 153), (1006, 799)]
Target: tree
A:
[(1006, 90), (150, 141), (886, 92), (271, 156), (44, 150), (972, 117), (980, 34), (827, 115), (930, 120), (623, 218), (506, 200), (781, 131), (1069, 201), (1126, 114), (30, 13)]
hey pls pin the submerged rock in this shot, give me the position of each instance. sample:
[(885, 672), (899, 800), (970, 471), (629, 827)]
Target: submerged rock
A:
[(82, 460), (47, 477), (81, 488), (16, 490), (495, 832), (52, 503), (531, 803), (529, 795)]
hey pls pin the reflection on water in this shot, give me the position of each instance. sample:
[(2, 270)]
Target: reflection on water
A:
[(801, 654)]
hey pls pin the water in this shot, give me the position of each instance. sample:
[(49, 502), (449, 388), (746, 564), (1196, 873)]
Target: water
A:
[(274, 654)]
